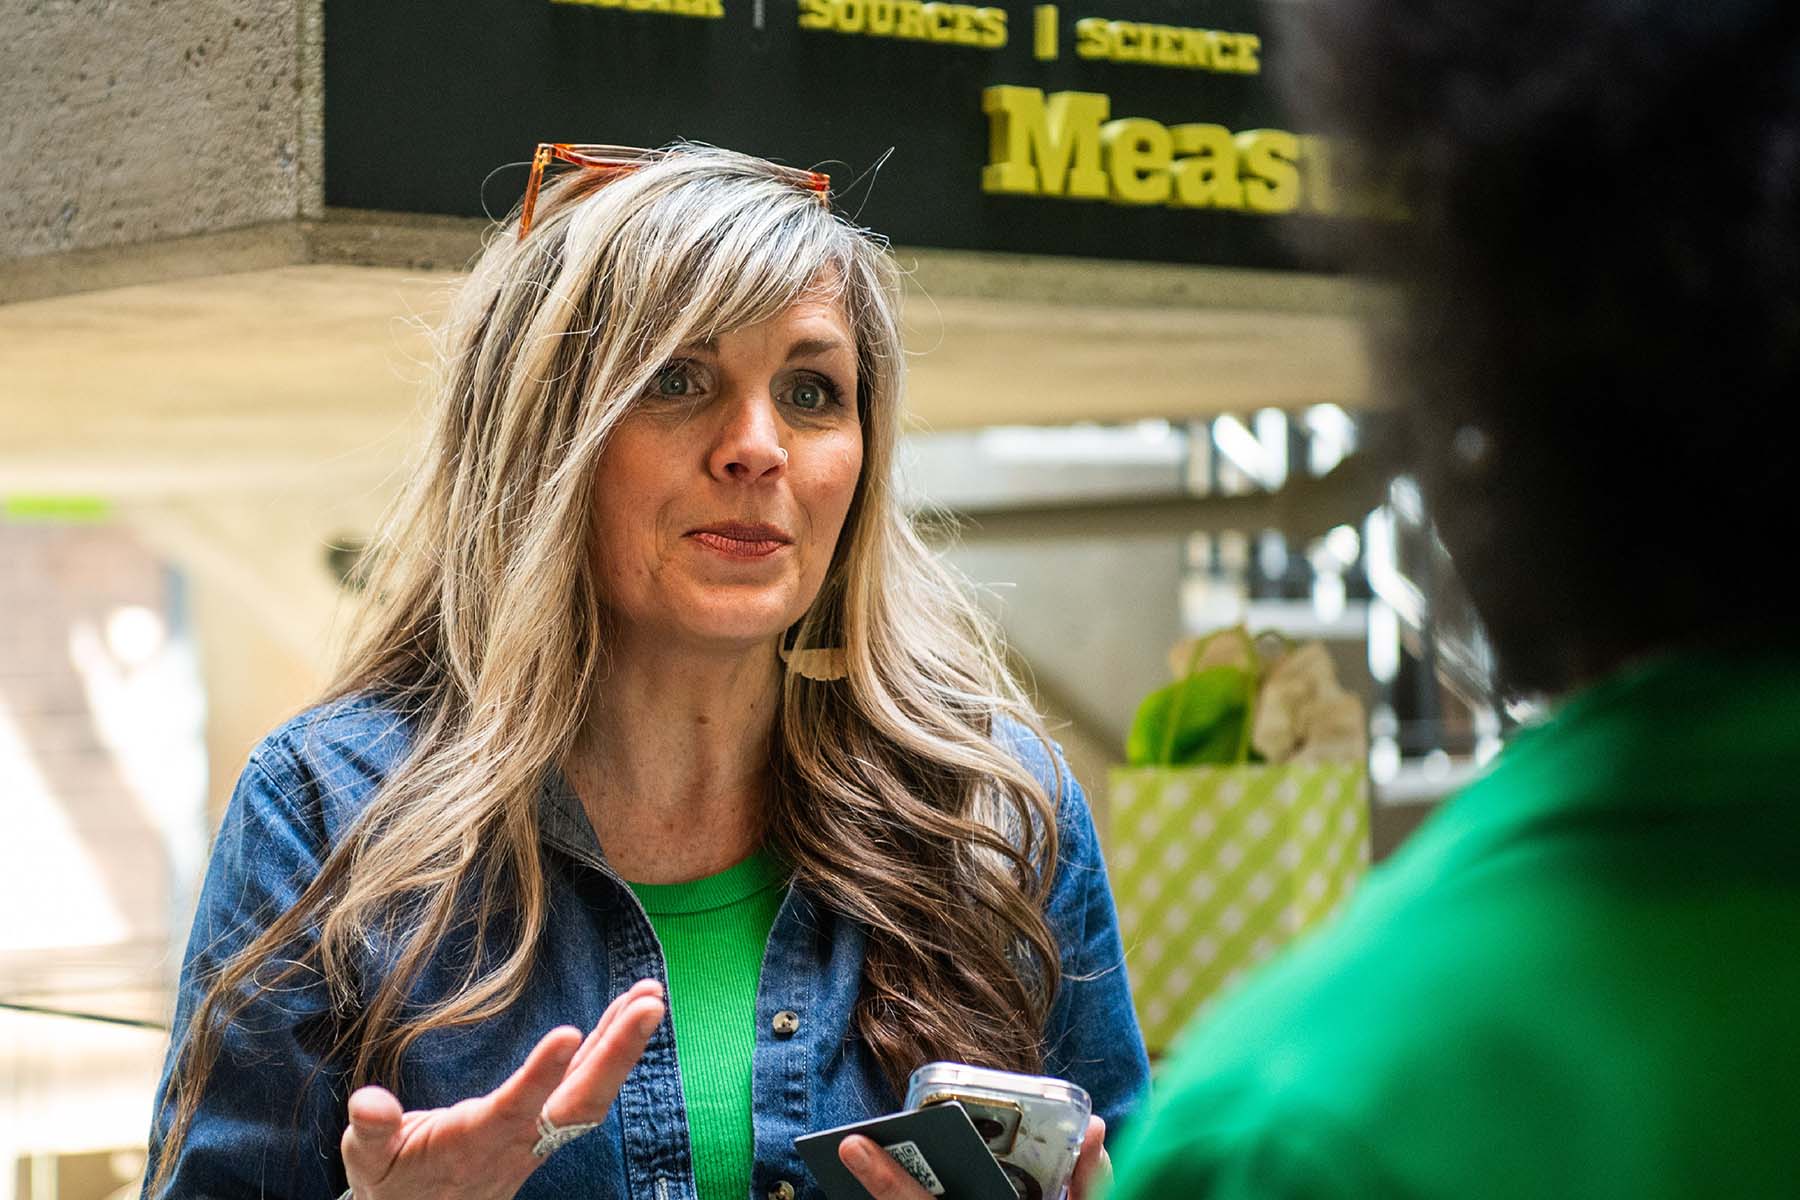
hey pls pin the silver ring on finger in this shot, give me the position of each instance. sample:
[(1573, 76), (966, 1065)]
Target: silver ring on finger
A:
[(553, 1137)]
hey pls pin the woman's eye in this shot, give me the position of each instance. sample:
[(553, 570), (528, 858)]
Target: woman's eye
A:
[(811, 394), (674, 381)]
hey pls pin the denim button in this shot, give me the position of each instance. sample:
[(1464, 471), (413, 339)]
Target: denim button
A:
[(785, 1024), (783, 1190)]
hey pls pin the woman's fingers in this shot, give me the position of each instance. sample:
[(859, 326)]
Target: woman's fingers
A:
[(606, 1019), (1093, 1170), (877, 1171), (374, 1135), (643, 987), (521, 1098), (378, 1128), (588, 1090)]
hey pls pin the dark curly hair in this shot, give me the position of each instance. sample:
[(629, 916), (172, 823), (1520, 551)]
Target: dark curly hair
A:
[(1599, 345)]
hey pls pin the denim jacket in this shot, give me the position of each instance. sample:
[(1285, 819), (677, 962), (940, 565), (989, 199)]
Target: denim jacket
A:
[(274, 1109)]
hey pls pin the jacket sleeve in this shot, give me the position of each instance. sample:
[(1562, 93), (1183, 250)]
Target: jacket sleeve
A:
[(1092, 1037), (270, 1119)]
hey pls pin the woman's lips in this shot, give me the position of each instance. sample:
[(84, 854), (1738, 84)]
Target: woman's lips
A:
[(742, 541)]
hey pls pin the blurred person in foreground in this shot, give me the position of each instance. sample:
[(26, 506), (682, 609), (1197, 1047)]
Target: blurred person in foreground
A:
[(1581, 978), (663, 725)]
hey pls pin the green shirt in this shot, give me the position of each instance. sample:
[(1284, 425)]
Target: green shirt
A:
[(713, 932), (1581, 978)]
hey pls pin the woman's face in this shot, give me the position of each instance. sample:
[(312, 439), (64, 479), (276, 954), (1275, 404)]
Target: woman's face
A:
[(721, 495)]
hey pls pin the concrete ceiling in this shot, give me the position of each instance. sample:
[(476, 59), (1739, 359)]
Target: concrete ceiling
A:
[(276, 380)]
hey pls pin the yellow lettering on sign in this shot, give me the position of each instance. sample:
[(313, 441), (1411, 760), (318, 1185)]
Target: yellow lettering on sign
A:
[(990, 28), (1065, 145), (1249, 47), (1320, 187), (1043, 45), (1167, 46), (940, 20), (709, 9), (912, 20), (1270, 170), (1039, 147), (1091, 38), (1206, 174), (1222, 48), (1138, 154)]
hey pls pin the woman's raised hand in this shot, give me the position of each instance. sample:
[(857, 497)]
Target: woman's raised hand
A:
[(886, 1179), (481, 1148)]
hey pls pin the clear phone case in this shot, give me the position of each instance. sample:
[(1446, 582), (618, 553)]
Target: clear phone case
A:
[(1032, 1123)]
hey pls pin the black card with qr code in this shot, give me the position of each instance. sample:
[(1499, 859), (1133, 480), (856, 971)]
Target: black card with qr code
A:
[(936, 1146)]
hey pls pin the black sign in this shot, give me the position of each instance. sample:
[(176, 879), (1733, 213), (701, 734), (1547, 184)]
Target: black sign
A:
[(1133, 129)]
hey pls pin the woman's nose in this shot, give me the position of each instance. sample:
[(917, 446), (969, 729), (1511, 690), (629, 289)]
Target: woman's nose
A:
[(749, 446)]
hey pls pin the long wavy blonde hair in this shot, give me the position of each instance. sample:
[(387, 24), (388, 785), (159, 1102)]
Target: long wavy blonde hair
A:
[(893, 797)]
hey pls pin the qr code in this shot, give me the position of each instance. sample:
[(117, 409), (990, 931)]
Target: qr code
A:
[(907, 1155)]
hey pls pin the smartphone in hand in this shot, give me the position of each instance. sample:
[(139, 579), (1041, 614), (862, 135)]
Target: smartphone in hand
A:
[(1032, 1124), (937, 1146), (969, 1133)]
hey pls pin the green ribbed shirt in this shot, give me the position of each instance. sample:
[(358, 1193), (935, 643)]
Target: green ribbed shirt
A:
[(713, 933)]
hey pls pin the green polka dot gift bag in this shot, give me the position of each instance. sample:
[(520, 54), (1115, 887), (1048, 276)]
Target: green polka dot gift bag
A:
[(1241, 821)]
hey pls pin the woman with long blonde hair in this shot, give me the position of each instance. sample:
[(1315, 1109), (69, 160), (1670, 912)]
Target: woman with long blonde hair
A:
[(658, 708)]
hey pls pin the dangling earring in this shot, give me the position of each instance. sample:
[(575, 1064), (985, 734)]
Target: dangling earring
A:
[(820, 664)]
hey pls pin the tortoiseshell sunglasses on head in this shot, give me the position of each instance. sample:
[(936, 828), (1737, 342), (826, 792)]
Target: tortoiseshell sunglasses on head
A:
[(613, 161)]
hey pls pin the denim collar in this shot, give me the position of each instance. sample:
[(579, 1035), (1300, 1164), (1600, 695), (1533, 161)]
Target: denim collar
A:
[(563, 823)]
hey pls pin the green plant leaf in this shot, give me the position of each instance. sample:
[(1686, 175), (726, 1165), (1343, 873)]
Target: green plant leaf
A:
[(1200, 719)]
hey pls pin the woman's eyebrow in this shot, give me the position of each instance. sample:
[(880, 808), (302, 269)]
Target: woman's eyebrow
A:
[(807, 347)]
